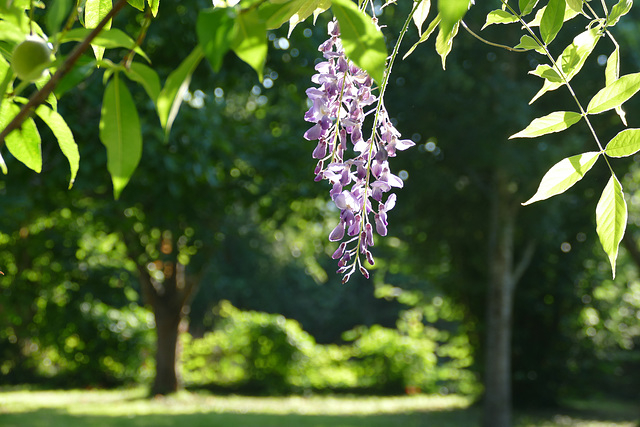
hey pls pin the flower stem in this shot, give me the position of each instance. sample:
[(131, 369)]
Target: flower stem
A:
[(383, 87)]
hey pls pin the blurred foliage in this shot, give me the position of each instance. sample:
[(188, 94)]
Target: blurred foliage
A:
[(53, 323), (259, 352)]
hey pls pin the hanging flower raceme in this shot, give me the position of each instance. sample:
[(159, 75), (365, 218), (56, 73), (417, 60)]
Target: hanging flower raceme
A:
[(357, 168)]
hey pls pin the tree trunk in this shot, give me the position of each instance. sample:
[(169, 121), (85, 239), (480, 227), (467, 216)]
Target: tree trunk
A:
[(168, 319), (500, 297), (170, 301)]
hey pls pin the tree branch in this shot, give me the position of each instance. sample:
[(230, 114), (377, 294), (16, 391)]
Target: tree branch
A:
[(524, 262), (490, 43), (40, 96)]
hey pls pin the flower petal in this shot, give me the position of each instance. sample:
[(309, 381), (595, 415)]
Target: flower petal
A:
[(337, 233)]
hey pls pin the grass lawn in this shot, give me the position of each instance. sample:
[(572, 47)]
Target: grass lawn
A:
[(129, 407)]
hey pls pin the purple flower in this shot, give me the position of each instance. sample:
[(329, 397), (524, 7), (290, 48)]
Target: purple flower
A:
[(357, 167)]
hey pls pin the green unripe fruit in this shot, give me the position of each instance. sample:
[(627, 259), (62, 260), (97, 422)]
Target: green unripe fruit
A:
[(30, 58)]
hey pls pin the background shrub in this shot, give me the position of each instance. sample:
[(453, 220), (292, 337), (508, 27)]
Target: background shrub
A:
[(266, 353)]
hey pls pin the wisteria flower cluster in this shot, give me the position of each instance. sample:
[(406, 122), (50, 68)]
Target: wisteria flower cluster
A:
[(340, 105)]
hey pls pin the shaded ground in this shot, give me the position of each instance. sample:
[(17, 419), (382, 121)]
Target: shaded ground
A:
[(129, 407)]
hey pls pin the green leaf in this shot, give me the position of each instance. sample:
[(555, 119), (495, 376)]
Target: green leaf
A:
[(10, 32), (23, 143), (171, 95), (94, 12), (572, 59), (57, 13), (547, 86), (362, 40), (615, 94), (276, 13), (64, 136), (138, 4), (305, 9), (554, 122), (6, 78), (563, 175), (451, 13), (216, 31), (120, 133), (3, 165), (444, 44), (147, 77), (432, 26), (526, 6), (529, 43), (421, 13), (499, 16), (250, 43), (154, 5), (624, 144), (574, 56), (110, 39), (548, 73), (612, 71), (552, 20), (83, 68), (51, 98), (611, 74), (575, 5), (323, 6), (611, 219), (568, 15), (619, 10)]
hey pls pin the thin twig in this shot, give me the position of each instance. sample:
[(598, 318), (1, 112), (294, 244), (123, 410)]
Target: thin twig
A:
[(40, 96), (485, 41), (143, 33)]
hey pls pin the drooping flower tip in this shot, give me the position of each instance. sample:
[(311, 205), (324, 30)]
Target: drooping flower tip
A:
[(346, 277), (369, 234), (340, 251), (369, 257)]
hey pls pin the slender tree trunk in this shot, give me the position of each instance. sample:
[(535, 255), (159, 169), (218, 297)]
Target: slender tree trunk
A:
[(503, 278)]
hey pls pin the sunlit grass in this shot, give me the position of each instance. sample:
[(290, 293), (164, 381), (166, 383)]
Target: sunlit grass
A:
[(131, 407), (135, 402)]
